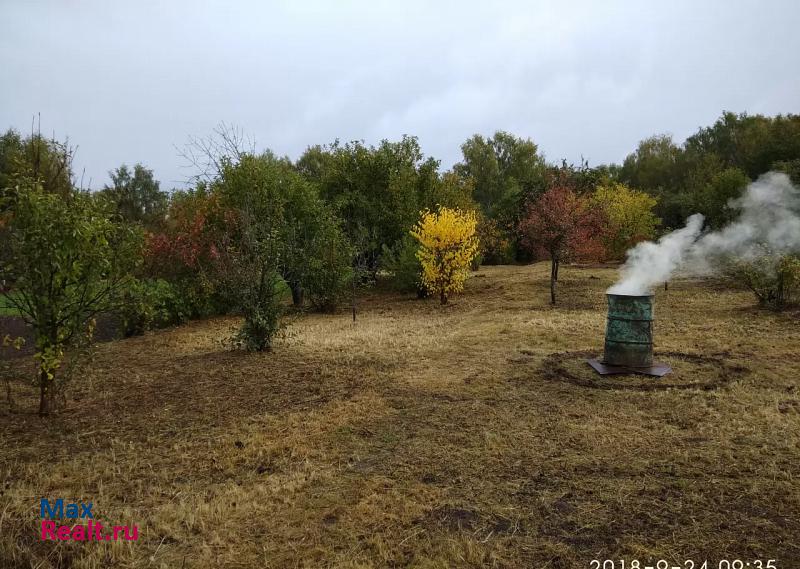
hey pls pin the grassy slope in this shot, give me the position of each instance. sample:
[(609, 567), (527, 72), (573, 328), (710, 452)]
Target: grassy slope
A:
[(6, 309), (426, 436)]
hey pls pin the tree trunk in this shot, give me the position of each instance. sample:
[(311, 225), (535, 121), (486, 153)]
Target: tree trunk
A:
[(443, 297), (297, 293), (553, 280), (44, 394)]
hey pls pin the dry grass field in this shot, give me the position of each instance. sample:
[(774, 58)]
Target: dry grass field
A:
[(470, 435)]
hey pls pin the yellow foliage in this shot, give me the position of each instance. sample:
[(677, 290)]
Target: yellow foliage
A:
[(15, 343), (447, 246), (629, 217), (50, 359)]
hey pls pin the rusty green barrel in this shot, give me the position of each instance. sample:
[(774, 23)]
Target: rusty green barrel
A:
[(629, 331)]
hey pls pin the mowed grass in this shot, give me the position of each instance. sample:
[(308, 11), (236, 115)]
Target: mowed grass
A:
[(470, 435), (6, 307)]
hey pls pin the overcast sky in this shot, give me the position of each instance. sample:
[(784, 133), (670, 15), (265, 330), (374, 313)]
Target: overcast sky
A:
[(127, 81)]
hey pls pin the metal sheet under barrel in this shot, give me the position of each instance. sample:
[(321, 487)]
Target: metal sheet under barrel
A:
[(629, 331)]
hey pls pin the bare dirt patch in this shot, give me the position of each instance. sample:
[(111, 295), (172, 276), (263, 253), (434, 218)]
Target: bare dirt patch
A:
[(689, 371)]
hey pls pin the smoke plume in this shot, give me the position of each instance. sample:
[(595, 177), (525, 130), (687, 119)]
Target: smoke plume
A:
[(769, 217)]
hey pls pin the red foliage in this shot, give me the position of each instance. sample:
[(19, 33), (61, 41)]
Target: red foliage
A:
[(561, 225), (190, 241)]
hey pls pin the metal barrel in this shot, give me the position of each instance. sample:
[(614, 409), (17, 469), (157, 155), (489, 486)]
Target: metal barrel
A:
[(629, 331)]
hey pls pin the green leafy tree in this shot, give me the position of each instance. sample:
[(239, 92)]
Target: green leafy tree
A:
[(715, 197), (48, 161), (251, 251), (11, 157), (67, 259), (317, 255), (506, 170), (654, 165), (752, 143), (711, 164), (376, 190), (35, 157), (137, 195), (281, 232)]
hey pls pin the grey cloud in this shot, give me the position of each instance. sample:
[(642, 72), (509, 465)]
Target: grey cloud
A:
[(129, 80)]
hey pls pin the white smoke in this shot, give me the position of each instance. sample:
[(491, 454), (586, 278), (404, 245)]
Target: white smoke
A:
[(651, 263), (769, 216)]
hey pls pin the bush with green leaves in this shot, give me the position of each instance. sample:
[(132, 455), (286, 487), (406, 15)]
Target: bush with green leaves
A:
[(67, 258), (330, 270), (152, 303), (403, 266), (250, 258), (280, 227), (261, 303), (497, 246), (773, 278)]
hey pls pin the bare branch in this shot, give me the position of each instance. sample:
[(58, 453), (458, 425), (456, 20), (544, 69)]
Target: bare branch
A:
[(206, 155)]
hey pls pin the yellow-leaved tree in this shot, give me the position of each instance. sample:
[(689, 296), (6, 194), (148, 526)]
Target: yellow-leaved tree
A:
[(447, 246), (629, 218)]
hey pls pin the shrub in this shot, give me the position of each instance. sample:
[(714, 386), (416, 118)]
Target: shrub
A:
[(250, 281), (249, 259), (497, 247), (404, 267), (330, 267), (262, 309), (185, 253), (447, 247), (152, 303), (773, 278)]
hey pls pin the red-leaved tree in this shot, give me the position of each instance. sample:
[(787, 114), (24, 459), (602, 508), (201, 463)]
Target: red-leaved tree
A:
[(186, 251), (561, 225)]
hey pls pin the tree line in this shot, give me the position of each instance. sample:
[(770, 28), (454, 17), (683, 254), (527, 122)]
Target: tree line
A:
[(255, 232)]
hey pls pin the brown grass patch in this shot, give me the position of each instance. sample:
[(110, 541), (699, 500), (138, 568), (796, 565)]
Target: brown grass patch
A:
[(427, 437)]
